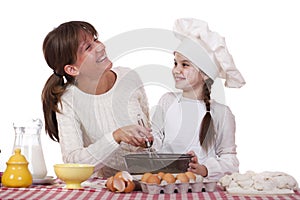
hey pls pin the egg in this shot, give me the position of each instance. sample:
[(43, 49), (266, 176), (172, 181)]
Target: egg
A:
[(160, 174), (129, 186), (124, 175), (145, 177), (118, 174), (153, 179), (119, 184), (182, 177), (191, 176), (169, 178), (109, 184)]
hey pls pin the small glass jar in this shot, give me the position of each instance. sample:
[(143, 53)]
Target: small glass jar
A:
[(27, 138)]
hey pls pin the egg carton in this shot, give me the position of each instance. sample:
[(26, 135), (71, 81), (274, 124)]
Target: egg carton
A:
[(152, 188)]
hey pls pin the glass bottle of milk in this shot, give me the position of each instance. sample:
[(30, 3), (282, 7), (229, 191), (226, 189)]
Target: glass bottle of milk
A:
[(27, 138)]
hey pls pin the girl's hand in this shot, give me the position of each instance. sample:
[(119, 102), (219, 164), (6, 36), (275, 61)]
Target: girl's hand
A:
[(195, 167), (133, 134)]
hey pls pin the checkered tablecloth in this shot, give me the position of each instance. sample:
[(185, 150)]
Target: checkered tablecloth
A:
[(94, 189)]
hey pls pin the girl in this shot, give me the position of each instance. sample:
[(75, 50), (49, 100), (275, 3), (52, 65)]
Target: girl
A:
[(190, 120), (89, 107)]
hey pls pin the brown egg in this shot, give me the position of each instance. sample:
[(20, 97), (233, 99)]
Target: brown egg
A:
[(145, 177), (182, 177), (161, 174), (169, 178), (119, 184), (129, 186), (153, 179), (109, 184), (118, 174), (123, 175), (191, 176)]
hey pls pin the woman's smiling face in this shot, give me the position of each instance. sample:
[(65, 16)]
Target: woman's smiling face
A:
[(91, 57)]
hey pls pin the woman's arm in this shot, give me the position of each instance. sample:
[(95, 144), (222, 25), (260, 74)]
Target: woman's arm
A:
[(75, 143)]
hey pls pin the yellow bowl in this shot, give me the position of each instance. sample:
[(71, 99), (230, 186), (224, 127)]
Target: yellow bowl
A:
[(73, 174)]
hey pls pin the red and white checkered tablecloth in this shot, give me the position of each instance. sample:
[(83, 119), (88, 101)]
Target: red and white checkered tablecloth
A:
[(93, 189)]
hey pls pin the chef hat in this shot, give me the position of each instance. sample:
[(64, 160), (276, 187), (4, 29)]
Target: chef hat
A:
[(207, 50)]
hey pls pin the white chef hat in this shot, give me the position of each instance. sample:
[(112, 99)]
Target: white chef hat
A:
[(207, 50)]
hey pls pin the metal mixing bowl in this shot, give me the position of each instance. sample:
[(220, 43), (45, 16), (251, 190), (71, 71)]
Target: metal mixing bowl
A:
[(156, 162)]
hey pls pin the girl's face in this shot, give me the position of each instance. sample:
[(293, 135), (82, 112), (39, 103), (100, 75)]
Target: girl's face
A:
[(91, 58), (187, 77)]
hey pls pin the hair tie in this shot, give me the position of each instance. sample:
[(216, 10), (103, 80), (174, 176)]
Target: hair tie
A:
[(58, 75)]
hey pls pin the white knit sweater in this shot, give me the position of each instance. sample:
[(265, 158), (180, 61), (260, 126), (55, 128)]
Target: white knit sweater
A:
[(86, 121)]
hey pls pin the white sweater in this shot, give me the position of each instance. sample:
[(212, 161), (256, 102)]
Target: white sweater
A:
[(86, 121), (180, 118)]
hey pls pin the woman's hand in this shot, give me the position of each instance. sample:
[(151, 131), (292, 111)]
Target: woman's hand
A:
[(195, 167), (135, 135)]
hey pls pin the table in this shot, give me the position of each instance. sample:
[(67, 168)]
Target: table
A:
[(94, 189)]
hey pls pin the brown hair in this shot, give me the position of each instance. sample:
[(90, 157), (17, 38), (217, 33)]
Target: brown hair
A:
[(207, 132), (60, 48)]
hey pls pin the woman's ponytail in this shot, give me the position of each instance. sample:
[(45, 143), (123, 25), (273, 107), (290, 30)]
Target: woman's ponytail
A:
[(51, 97)]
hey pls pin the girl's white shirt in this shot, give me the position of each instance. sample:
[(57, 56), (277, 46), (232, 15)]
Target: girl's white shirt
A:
[(180, 118), (86, 121)]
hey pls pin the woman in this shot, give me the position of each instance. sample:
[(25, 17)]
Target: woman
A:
[(89, 107), (190, 120)]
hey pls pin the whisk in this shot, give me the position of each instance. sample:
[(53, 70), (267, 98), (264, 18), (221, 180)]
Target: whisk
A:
[(141, 123)]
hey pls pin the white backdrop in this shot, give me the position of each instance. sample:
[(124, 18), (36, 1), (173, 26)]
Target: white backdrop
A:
[(262, 36)]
